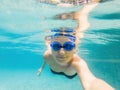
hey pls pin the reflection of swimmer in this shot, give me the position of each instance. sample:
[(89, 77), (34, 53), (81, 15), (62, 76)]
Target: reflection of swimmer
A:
[(62, 56), (69, 3), (65, 16)]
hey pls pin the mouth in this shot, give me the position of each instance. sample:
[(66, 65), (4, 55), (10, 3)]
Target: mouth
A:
[(63, 60), (60, 57)]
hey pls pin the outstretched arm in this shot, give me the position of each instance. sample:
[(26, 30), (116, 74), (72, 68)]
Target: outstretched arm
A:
[(41, 68), (46, 57), (89, 81)]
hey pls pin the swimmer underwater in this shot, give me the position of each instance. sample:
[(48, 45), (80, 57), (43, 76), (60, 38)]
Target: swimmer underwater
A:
[(62, 57)]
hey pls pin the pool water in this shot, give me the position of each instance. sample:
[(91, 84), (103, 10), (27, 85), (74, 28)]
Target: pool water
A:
[(23, 26)]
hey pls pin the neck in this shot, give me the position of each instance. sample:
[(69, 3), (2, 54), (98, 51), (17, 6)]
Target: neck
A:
[(65, 63)]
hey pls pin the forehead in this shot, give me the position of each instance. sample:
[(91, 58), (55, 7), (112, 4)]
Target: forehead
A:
[(61, 39)]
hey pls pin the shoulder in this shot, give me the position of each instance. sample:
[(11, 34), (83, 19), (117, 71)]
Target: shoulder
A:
[(76, 58), (47, 55), (78, 62)]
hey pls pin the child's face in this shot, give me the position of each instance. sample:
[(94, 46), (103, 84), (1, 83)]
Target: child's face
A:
[(62, 55)]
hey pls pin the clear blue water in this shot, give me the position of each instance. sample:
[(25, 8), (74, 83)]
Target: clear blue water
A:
[(23, 25)]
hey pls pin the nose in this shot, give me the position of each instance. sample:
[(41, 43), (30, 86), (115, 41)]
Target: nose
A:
[(62, 51)]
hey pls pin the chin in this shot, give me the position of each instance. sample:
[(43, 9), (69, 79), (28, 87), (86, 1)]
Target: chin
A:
[(62, 61)]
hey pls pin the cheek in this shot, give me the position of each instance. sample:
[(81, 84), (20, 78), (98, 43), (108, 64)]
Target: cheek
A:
[(69, 54), (54, 53)]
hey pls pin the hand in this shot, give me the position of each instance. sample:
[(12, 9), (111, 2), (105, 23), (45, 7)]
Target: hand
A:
[(39, 71)]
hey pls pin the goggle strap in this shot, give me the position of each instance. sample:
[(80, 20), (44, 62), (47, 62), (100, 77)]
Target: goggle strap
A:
[(59, 30)]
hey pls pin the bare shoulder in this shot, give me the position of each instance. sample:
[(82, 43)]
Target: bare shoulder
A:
[(47, 55), (76, 58), (77, 61)]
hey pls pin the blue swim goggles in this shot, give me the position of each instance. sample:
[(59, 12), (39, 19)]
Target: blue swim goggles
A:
[(68, 46)]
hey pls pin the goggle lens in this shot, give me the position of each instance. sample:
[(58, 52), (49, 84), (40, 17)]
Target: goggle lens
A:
[(68, 46), (55, 46)]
